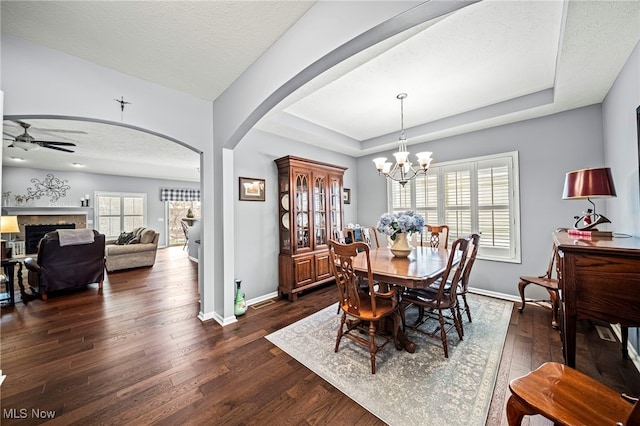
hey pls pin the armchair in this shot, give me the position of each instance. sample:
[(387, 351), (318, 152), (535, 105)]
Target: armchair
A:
[(68, 266)]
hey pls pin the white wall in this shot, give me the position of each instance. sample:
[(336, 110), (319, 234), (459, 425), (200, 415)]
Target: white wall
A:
[(256, 223), (548, 147), (18, 179)]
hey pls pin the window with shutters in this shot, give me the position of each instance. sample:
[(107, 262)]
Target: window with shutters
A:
[(472, 195)]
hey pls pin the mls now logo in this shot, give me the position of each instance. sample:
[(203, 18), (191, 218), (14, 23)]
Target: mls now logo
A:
[(23, 413)]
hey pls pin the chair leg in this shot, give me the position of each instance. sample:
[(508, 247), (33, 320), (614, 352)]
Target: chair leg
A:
[(521, 287), (372, 345), (342, 321), (457, 322), (443, 334), (516, 411), (43, 296), (555, 308), (466, 306)]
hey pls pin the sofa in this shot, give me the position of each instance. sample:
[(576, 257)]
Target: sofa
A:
[(133, 249), (67, 259)]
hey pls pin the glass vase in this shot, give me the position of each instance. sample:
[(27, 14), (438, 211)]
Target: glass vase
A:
[(240, 306)]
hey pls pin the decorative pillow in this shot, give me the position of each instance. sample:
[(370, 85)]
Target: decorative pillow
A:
[(147, 236), (124, 238)]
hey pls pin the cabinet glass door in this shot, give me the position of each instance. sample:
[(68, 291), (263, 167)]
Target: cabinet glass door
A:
[(302, 211), (320, 210), (285, 232), (336, 205)]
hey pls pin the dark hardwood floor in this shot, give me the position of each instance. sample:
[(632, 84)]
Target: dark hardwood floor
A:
[(137, 354)]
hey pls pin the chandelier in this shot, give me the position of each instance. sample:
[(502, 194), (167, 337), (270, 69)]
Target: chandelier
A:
[(403, 171)]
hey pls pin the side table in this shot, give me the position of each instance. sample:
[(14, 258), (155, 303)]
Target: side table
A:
[(8, 268)]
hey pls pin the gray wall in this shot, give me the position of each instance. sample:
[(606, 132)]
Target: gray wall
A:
[(548, 147), (621, 153), (256, 223), (18, 179)]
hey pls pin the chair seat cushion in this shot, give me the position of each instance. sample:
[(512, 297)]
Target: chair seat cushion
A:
[(425, 296)]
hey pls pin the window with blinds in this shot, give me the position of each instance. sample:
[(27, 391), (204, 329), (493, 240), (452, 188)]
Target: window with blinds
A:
[(119, 212), (473, 195)]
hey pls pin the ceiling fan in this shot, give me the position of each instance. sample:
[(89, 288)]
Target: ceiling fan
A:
[(29, 143)]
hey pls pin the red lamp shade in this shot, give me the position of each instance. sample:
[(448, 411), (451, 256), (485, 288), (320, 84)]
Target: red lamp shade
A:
[(589, 183)]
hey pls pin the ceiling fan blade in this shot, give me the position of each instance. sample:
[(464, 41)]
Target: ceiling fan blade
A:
[(45, 145), (55, 143), (8, 134), (9, 139), (77, 132)]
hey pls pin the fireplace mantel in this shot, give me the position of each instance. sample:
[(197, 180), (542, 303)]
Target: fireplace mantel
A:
[(36, 210)]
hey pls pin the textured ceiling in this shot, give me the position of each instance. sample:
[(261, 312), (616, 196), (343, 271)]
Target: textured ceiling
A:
[(490, 63)]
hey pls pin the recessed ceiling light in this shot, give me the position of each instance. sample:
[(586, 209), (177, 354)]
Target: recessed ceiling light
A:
[(17, 158), (77, 164)]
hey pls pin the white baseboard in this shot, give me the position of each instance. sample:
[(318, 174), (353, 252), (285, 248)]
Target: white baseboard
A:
[(633, 354), (262, 298)]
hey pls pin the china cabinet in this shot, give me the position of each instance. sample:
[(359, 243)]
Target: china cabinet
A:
[(309, 211)]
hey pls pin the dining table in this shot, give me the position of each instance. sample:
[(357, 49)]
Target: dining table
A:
[(421, 268)]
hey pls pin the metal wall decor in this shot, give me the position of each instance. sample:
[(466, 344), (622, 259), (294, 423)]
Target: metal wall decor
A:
[(49, 187)]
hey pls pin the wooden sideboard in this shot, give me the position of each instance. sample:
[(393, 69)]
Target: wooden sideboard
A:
[(599, 278)]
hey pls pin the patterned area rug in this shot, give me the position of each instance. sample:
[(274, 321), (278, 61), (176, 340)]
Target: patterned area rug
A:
[(421, 388)]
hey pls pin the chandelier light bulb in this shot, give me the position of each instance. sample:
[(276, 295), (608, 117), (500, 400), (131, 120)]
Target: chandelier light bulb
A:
[(403, 171)]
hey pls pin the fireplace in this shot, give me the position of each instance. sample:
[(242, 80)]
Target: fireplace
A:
[(34, 233)]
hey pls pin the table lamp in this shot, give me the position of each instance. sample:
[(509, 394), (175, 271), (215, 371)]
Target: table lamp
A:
[(589, 183), (8, 225)]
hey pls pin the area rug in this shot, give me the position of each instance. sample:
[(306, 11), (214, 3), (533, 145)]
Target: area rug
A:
[(421, 388)]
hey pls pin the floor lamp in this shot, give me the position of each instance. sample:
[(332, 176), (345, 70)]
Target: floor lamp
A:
[(8, 225)]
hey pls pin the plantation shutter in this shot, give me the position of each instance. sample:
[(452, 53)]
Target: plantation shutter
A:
[(494, 204), (457, 200)]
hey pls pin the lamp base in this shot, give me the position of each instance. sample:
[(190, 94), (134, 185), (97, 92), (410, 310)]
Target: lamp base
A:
[(589, 221)]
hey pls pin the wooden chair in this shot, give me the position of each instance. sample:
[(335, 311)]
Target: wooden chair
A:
[(463, 284), (339, 236), (363, 308), (444, 298), (370, 237), (568, 397), (437, 235), (549, 283)]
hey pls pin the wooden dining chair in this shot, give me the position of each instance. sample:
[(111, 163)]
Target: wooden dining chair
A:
[(339, 235), (435, 304), (568, 397), (463, 284), (438, 236), (549, 283), (370, 237), (363, 307)]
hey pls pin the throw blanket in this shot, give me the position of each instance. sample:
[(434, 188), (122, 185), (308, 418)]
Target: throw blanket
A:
[(72, 237)]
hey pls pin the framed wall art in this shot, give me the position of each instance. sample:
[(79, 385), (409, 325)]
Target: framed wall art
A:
[(251, 189), (346, 196)]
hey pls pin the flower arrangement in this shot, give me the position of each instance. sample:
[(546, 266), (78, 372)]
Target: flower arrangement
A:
[(395, 223)]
